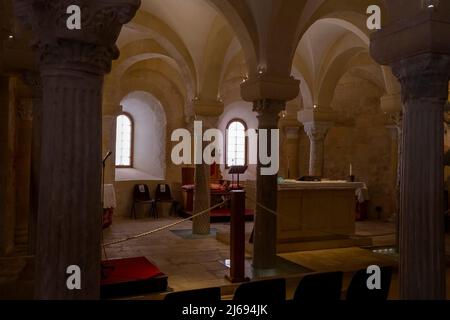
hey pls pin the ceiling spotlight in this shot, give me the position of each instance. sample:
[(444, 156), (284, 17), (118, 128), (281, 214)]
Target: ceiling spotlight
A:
[(430, 4), (10, 36)]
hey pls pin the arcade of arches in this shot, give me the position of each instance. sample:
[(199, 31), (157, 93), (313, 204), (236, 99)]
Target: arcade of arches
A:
[(342, 96)]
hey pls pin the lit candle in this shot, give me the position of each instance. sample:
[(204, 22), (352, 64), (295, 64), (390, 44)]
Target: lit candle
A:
[(351, 170)]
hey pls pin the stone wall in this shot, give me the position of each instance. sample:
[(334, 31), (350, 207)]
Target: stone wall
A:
[(366, 143)]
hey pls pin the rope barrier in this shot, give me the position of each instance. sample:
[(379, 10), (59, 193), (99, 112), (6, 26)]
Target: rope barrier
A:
[(164, 227), (262, 206)]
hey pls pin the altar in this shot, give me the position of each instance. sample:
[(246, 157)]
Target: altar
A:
[(309, 211)]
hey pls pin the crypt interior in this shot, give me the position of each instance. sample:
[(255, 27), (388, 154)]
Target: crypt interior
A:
[(364, 146)]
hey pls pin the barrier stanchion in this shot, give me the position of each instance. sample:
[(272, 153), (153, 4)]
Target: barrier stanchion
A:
[(237, 237)]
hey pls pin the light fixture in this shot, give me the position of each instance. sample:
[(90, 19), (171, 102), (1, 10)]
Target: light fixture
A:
[(315, 106), (430, 4), (10, 37)]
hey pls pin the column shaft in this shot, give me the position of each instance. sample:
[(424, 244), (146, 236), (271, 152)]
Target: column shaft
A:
[(69, 218), (424, 82), (7, 214), (316, 157), (202, 201), (422, 263), (265, 236), (316, 132), (34, 82)]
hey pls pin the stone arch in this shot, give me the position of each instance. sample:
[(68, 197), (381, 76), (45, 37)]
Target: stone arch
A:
[(219, 40), (334, 72), (155, 83), (150, 122), (239, 16), (161, 67), (170, 41)]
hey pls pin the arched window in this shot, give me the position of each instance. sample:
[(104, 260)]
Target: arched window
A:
[(236, 143), (124, 141)]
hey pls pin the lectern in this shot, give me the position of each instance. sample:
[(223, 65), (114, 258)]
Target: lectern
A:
[(236, 170)]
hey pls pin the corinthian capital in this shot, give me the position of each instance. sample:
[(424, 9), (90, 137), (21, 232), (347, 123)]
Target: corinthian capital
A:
[(424, 76), (268, 112), (92, 45), (317, 131)]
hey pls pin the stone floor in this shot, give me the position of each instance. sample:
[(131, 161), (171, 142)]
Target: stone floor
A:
[(197, 262)]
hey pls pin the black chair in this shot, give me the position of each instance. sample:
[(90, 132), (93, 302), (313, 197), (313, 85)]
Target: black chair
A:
[(358, 290), (163, 194), (264, 291), (141, 195), (320, 287), (198, 296)]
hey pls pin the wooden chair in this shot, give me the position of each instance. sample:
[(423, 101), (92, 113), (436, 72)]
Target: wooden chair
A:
[(198, 296), (358, 291), (319, 287), (141, 195), (164, 194), (264, 291)]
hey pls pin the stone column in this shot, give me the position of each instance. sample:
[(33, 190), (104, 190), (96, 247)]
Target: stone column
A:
[(201, 225), (424, 79), (72, 66), (7, 214), (265, 235), (109, 125), (269, 94), (398, 118), (317, 132), (207, 113), (292, 152), (111, 110), (391, 104), (22, 165), (317, 122), (34, 82)]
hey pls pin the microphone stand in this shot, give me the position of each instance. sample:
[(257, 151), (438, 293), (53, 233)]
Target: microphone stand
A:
[(103, 176)]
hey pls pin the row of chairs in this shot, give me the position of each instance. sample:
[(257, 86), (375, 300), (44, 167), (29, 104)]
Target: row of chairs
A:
[(326, 287), (142, 196)]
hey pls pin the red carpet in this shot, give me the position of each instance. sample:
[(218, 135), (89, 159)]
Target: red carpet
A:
[(131, 276)]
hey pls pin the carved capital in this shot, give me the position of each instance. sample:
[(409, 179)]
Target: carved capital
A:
[(317, 131), (268, 112), (93, 46), (397, 119), (424, 76), (25, 109), (33, 80)]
